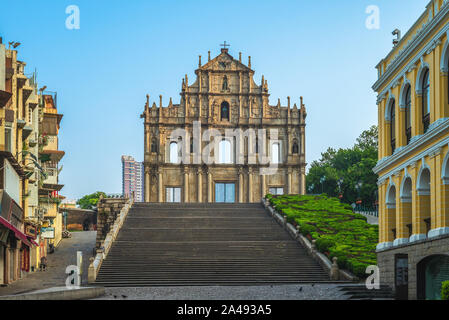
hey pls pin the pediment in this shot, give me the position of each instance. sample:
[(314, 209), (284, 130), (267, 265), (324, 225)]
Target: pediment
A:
[(224, 62)]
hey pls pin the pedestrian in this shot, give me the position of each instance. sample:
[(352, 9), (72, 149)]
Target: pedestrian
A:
[(43, 265)]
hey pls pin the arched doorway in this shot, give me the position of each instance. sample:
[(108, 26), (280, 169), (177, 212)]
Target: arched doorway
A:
[(390, 217), (423, 223), (431, 272), (86, 224)]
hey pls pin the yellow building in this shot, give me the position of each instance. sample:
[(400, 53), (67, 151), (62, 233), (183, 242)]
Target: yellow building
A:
[(413, 107), (49, 156), (18, 101)]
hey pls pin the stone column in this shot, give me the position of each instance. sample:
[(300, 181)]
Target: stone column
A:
[(16, 262), (442, 194), (387, 138), (200, 185), (186, 184), (147, 184), (250, 185), (380, 116), (403, 215), (147, 147), (241, 199), (289, 181), (401, 138), (264, 185), (209, 187), (7, 264), (417, 125), (303, 181), (435, 160), (443, 219), (423, 206), (160, 191), (444, 112), (382, 207), (390, 222)]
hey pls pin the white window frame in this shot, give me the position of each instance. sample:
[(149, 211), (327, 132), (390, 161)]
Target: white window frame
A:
[(276, 191), (173, 194)]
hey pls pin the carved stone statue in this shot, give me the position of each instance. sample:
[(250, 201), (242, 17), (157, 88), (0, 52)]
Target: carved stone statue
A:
[(225, 83)]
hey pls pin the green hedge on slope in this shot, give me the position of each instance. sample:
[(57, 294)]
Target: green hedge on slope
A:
[(337, 230)]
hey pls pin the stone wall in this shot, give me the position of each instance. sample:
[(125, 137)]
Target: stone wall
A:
[(108, 210), (80, 217), (416, 252)]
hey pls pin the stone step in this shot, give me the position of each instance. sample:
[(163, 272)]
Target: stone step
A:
[(361, 292), (205, 244), (198, 223)]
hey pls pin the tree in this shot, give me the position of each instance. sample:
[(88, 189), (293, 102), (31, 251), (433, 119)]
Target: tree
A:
[(352, 166), (90, 201)]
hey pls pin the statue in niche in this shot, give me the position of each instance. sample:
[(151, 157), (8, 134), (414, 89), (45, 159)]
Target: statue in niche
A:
[(295, 148), (225, 83)]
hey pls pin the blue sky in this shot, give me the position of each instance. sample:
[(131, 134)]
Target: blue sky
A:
[(126, 49)]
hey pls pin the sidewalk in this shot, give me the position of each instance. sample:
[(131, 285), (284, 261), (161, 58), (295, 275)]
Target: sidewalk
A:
[(55, 275)]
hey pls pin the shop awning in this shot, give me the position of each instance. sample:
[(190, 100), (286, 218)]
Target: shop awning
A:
[(33, 242), (19, 234)]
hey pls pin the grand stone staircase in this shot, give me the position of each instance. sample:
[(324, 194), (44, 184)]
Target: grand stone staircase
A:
[(205, 244)]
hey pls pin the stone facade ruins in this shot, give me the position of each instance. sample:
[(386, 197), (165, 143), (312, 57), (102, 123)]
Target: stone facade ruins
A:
[(223, 97)]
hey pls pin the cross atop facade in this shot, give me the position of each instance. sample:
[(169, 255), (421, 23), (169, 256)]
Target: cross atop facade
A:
[(225, 45)]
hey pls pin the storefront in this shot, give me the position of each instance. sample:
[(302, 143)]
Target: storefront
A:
[(15, 244)]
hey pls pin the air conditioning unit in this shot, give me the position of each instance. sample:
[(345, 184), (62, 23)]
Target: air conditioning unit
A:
[(32, 143)]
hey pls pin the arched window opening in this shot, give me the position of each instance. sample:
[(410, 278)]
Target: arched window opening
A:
[(295, 147), (426, 100), (154, 146), (225, 111), (191, 145), (406, 197), (391, 196), (424, 192), (174, 152), (407, 190), (408, 115), (424, 181), (225, 152), (393, 126), (275, 153)]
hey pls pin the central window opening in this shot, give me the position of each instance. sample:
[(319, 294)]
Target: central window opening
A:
[(225, 152), (173, 195)]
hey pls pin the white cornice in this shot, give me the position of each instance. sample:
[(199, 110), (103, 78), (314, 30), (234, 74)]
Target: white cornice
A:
[(383, 164), (411, 48)]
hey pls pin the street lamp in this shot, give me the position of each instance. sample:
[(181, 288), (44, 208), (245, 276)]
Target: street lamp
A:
[(311, 187), (322, 180), (358, 186), (339, 183)]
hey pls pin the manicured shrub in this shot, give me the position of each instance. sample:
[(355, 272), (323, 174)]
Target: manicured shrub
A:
[(306, 229), (445, 290), (359, 269), (323, 245)]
